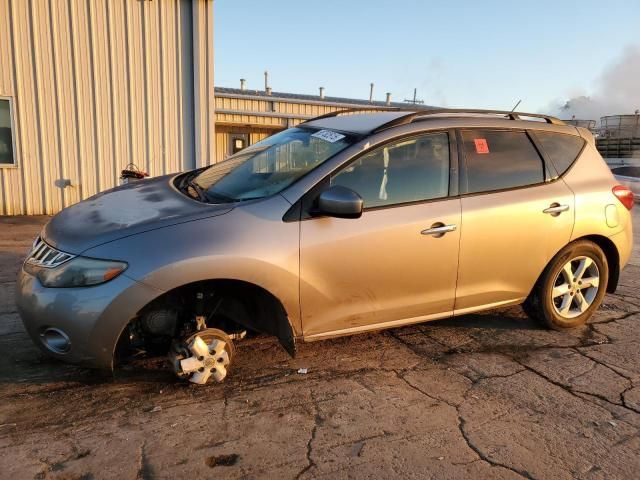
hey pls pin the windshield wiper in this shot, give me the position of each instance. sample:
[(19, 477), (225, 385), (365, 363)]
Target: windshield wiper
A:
[(202, 195), (189, 181)]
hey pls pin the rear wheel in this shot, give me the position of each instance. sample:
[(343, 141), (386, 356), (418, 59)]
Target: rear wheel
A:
[(572, 286)]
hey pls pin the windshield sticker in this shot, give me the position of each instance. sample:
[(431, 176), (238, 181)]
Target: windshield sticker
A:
[(328, 136), (481, 145)]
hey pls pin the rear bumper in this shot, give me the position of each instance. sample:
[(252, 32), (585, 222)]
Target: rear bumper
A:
[(92, 318)]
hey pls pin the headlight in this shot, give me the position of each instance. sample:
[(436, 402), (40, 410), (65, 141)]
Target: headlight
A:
[(79, 272)]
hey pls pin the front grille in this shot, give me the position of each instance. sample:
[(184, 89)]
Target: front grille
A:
[(43, 255)]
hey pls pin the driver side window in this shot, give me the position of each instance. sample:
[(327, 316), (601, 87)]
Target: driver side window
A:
[(409, 170)]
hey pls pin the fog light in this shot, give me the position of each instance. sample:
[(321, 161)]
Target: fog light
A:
[(55, 340)]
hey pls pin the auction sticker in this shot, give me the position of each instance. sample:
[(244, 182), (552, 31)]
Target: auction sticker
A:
[(481, 145), (328, 136)]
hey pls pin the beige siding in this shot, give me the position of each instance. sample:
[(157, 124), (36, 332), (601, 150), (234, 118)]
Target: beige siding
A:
[(224, 131), (97, 84), (261, 116), (222, 145), (255, 137), (273, 113)]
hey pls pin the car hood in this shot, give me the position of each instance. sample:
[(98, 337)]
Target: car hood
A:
[(123, 211)]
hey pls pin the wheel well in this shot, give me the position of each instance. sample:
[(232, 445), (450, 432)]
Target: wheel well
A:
[(224, 303), (613, 258)]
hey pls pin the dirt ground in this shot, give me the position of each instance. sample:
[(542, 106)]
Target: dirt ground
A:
[(492, 395)]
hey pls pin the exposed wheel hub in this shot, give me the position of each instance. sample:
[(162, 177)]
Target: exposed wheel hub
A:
[(204, 356)]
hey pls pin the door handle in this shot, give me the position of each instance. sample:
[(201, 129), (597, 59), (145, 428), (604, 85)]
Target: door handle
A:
[(439, 229), (556, 209)]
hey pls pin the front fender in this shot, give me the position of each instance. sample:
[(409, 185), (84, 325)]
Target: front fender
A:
[(250, 244)]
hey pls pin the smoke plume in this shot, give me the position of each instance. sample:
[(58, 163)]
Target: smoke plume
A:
[(617, 92)]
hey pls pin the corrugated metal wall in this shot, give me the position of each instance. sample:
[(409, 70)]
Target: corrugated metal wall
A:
[(261, 116), (96, 84), (275, 113), (223, 133)]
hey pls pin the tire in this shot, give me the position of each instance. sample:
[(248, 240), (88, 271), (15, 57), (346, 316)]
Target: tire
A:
[(571, 288)]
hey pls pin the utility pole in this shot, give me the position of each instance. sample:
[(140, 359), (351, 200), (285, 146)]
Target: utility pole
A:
[(415, 100)]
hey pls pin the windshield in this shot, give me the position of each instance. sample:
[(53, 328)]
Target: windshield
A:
[(267, 167)]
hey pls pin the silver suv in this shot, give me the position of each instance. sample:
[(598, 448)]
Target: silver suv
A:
[(350, 222)]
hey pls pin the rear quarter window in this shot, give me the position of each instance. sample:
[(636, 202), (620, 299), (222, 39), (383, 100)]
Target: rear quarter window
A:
[(497, 160), (561, 149)]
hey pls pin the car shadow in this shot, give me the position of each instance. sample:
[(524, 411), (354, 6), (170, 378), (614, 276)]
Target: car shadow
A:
[(25, 365), (511, 319)]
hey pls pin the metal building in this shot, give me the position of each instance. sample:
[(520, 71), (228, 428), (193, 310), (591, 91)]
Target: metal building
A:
[(619, 138), (88, 85), (244, 117)]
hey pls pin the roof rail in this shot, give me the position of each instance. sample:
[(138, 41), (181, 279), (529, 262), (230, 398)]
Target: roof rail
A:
[(360, 109), (413, 114), (410, 117)]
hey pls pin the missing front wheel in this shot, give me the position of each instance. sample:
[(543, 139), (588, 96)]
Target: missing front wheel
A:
[(204, 357)]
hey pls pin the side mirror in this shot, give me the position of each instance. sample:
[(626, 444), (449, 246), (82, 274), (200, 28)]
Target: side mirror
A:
[(341, 202)]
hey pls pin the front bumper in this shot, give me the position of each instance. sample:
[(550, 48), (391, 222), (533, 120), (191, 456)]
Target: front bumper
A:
[(91, 317)]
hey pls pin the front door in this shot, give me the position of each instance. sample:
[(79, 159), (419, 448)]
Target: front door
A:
[(397, 263)]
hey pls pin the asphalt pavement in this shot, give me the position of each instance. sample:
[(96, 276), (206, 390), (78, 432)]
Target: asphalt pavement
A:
[(491, 395)]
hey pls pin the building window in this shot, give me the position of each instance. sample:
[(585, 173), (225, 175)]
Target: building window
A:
[(237, 142), (7, 157)]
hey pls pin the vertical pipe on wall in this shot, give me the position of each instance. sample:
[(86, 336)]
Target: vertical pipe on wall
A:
[(203, 82)]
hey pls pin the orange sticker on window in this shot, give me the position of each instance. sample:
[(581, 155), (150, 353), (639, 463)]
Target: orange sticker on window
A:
[(481, 145)]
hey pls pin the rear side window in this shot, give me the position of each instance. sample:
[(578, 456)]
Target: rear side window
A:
[(561, 149), (496, 160)]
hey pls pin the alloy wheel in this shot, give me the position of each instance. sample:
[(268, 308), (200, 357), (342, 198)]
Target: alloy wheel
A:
[(575, 287)]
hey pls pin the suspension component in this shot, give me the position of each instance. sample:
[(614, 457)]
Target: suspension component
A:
[(201, 319)]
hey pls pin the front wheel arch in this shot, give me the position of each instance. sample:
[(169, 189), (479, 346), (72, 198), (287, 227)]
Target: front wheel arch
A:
[(247, 304)]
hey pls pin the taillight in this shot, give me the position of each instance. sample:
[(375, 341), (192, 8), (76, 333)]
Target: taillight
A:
[(624, 195)]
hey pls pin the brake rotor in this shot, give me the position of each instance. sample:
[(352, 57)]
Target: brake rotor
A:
[(205, 355)]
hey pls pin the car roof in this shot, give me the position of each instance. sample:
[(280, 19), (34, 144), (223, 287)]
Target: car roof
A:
[(366, 122), (361, 123)]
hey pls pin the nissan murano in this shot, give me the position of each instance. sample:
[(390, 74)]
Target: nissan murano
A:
[(350, 222)]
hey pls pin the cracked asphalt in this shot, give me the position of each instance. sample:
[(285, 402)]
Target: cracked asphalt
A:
[(492, 395)]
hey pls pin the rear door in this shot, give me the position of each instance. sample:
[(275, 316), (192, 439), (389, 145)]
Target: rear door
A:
[(389, 266), (515, 217)]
